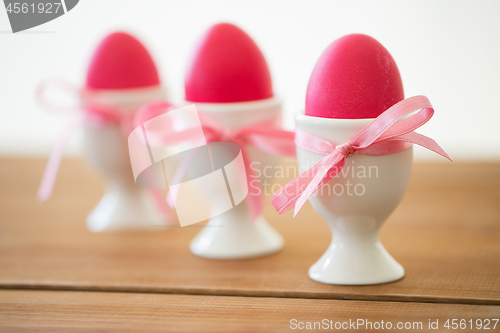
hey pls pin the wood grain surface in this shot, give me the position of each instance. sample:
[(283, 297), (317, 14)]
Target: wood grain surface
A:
[(63, 311), (446, 233)]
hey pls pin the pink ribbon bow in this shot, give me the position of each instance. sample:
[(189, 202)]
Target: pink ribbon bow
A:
[(95, 114), (263, 135), (383, 136), (98, 115)]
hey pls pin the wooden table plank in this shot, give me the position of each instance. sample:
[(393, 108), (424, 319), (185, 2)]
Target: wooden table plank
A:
[(42, 311), (446, 235)]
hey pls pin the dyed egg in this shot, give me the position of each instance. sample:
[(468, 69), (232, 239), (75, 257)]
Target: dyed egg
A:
[(227, 66), (354, 78), (120, 61)]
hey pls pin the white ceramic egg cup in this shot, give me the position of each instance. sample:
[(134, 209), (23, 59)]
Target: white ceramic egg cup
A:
[(355, 256), (233, 234), (124, 206)]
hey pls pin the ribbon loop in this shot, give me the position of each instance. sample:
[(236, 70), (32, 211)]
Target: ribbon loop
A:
[(389, 133), (64, 87)]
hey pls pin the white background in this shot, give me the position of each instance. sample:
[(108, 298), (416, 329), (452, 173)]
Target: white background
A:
[(446, 50)]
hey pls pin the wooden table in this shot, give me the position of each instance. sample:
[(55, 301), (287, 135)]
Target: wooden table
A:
[(56, 275)]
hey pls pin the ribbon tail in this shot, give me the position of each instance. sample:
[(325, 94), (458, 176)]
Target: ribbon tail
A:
[(319, 179), (310, 189), (254, 197), (287, 196), (52, 167), (425, 142)]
